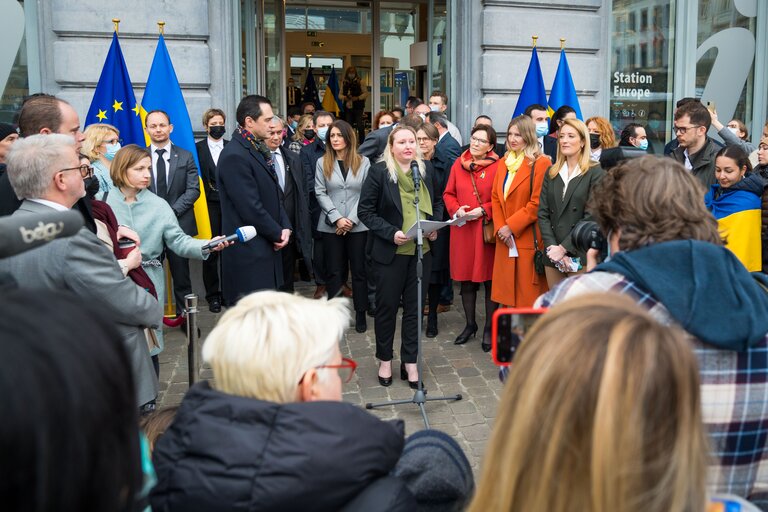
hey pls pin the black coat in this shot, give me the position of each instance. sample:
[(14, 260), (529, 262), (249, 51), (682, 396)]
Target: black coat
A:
[(440, 248), (300, 218), (447, 150), (381, 209), (309, 155), (550, 147), (183, 187), (208, 170), (229, 453), (375, 142), (250, 195)]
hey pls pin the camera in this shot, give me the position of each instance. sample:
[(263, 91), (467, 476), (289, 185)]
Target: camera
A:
[(587, 235)]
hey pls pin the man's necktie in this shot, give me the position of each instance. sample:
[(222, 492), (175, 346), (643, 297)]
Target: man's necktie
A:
[(278, 171), (162, 184)]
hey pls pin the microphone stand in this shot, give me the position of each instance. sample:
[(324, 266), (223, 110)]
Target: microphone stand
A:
[(420, 396)]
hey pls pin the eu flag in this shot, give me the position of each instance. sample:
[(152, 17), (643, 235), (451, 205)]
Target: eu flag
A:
[(533, 91), (113, 101), (163, 92), (563, 92), (310, 90), (331, 101)]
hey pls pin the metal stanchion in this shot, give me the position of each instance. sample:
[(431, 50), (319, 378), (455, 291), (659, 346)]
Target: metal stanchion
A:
[(193, 347)]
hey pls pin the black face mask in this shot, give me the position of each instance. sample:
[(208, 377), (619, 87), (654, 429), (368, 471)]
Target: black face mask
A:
[(594, 140), (217, 132), (309, 134), (91, 186)]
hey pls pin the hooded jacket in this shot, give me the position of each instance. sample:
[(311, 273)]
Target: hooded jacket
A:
[(225, 452)]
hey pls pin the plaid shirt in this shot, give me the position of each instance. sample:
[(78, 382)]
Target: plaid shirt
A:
[(734, 393)]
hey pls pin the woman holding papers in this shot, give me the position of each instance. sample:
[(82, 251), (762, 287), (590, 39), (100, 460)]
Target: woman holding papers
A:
[(515, 199), (387, 208), (468, 194)]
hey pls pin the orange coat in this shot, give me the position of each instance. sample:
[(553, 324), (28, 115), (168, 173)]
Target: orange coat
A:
[(515, 282)]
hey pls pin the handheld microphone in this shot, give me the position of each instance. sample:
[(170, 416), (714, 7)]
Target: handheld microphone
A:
[(20, 233), (416, 175), (243, 234)]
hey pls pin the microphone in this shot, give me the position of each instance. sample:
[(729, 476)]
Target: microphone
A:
[(20, 233), (416, 175), (243, 234)]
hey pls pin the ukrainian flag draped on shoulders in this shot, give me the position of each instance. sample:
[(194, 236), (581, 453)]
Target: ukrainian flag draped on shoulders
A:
[(738, 215), (163, 92), (114, 101)]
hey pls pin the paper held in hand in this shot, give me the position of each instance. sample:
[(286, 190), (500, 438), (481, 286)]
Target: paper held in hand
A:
[(427, 227)]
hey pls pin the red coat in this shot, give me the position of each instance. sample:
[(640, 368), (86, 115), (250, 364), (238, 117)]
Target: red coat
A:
[(471, 258), (515, 282)]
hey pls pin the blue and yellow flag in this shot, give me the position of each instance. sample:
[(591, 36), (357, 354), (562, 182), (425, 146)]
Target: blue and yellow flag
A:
[(331, 101), (164, 93), (533, 91), (310, 90), (738, 217), (563, 91), (113, 101)]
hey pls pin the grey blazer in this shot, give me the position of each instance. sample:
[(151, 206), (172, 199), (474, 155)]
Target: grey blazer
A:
[(83, 265), (339, 198)]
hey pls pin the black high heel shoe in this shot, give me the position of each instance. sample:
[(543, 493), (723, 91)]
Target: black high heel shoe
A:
[(469, 331), (486, 344), (385, 381), (360, 323), (413, 384), (431, 327)]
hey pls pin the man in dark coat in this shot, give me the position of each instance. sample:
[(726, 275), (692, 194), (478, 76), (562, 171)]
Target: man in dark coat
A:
[(249, 193), (696, 151)]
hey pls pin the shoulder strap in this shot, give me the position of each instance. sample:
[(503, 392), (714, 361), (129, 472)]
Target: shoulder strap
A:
[(474, 186)]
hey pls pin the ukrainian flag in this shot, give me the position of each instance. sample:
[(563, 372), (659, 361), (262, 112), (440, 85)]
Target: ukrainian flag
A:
[(533, 91), (331, 101), (563, 91), (113, 101), (164, 93), (738, 218)]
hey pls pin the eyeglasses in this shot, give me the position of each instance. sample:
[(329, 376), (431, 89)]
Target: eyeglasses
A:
[(684, 129), (113, 141), (346, 369), (475, 140), (422, 139), (86, 171)]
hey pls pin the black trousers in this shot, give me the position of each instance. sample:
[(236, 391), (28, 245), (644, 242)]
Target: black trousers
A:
[(288, 254), (318, 262), (212, 266), (344, 252), (394, 282), (182, 285)]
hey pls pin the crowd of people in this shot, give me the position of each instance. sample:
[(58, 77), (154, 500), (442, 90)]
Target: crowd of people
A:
[(646, 392)]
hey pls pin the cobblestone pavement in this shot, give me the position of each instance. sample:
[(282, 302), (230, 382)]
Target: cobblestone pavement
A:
[(449, 369)]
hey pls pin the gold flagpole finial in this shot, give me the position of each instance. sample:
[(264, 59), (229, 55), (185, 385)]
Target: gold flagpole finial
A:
[(562, 43), (116, 21), (535, 38), (161, 27)]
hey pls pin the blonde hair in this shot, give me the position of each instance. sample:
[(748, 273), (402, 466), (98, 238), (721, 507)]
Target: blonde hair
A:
[(389, 158), (527, 129), (601, 413), (585, 158), (263, 346), (94, 137), (304, 121)]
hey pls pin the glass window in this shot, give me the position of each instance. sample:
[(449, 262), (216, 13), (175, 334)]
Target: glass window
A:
[(725, 71), (16, 63), (273, 31), (641, 69)]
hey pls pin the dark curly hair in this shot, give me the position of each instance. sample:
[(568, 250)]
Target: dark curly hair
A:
[(651, 200)]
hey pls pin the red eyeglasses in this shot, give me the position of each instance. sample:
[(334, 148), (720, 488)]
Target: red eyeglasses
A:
[(346, 369)]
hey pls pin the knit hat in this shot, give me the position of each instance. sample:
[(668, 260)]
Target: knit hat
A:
[(6, 129), (436, 471)]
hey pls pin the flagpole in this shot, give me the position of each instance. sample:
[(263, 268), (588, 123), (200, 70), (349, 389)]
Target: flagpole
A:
[(161, 27), (116, 21), (562, 43), (535, 38)]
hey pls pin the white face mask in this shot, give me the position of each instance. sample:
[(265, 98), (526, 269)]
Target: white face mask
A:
[(735, 131), (434, 108), (542, 129)]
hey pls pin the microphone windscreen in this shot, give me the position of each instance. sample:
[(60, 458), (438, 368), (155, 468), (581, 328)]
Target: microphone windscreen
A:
[(19, 233), (246, 233)]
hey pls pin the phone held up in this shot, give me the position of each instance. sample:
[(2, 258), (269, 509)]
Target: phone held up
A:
[(510, 326), (125, 243)]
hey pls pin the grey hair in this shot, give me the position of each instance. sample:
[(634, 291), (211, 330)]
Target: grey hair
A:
[(279, 120), (32, 162)]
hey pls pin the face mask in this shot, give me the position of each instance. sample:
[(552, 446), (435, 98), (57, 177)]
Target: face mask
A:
[(217, 132), (294, 124), (735, 131), (322, 132), (384, 124), (112, 150), (91, 186), (434, 108), (594, 140), (350, 76), (423, 117), (542, 129), (643, 144), (654, 125), (309, 134)]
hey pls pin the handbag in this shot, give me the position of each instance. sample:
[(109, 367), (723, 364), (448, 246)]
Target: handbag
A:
[(489, 235), (538, 254)]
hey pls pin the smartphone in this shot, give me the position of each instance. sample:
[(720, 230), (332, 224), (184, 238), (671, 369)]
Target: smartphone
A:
[(126, 243), (508, 331), (711, 106)]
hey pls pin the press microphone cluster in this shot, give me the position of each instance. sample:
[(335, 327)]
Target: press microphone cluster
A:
[(243, 234), (20, 233), (416, 175)]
